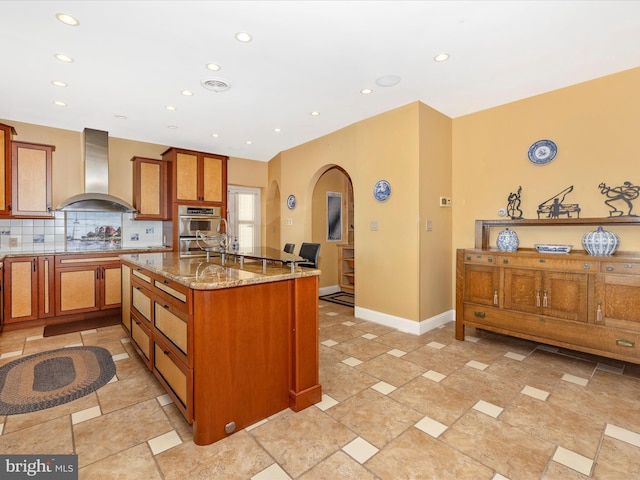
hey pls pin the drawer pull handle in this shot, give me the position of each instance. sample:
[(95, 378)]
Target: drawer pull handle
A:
[(543, 260), (599, 311), (166, 352), (166, 282), (479, 314), (166, 306), (495, 296), (468, 257), (505, 260), (490, 260), (609, 268), (628, 265), (586, 266), (545, 299), (625, 343), (537, 297)]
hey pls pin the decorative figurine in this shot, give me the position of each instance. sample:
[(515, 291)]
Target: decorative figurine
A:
[(625, 193), (554, 207), (513, 204)]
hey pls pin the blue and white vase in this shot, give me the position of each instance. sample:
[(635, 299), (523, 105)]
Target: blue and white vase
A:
[(508, 241), (600, 242)]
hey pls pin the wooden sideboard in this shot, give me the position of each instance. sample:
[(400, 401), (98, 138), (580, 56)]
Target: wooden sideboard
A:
[(576, 301)]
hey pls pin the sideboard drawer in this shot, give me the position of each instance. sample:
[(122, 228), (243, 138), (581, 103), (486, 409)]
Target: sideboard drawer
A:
[(481, 258), (557, 263), (622, 268), (173, 324)]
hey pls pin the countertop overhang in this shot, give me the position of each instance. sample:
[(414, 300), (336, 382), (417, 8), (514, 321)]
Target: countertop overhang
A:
[(199, 273)]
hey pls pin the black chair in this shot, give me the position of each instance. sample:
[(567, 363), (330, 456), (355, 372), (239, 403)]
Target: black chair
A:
[(289, 247), (310, 251)]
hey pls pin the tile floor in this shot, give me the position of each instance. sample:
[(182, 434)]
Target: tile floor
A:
[(395, 406)]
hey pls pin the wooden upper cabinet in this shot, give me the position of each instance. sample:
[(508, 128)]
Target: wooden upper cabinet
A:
[(150, 184), (6, 133), (197, 177), (31, 180)]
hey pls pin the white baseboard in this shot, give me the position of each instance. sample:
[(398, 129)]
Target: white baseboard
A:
[(402, 324), (328, 290)]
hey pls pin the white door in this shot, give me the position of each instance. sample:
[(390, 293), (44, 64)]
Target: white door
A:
[(244, 215)]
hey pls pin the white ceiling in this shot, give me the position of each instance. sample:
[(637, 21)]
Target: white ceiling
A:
[(133, 58)]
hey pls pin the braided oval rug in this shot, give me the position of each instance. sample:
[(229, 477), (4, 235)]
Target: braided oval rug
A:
[(47, 379)]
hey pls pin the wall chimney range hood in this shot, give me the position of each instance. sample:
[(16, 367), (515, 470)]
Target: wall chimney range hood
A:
[(96, 179)]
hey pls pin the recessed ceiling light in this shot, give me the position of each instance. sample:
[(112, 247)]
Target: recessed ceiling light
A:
[(366, 91), (187, 93), (388, 80), (172, 127), (213, 66), (121, 117), (60, 103), (249, 142), (315, 114), (63, 58), (58, 83), (170, 108), (441, 57), (277, 130), (243, 37), (67, 19), (215, 135)]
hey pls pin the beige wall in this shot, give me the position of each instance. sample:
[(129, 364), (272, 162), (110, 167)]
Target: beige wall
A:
[(595, 125)]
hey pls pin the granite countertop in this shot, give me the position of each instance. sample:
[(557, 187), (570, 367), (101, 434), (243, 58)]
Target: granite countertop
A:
[(54, 251), (199, 273)]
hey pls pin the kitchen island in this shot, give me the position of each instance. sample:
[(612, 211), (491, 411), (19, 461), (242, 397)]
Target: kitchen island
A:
[(231, 345)]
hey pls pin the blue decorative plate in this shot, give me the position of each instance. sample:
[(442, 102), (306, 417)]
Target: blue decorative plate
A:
[(381, 190), (291, 202), (542, 151)]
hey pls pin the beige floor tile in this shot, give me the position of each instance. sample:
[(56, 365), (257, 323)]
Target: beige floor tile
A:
[(416, 455), (118, 431), (578, 432), (338, 332), (52, 343), (341, 381), (298, 441), (506, 449), (393, 370), (129, 391), (135, 462), (50, 437), (557, 471), (338, 466), (525, 373), (483, 385), (404, 341), (616, 460), (361, 348), (441, 360), (562, 363), (393, 418), (178, 422)]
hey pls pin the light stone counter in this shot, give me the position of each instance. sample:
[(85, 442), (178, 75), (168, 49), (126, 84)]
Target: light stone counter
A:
[(199, 273)]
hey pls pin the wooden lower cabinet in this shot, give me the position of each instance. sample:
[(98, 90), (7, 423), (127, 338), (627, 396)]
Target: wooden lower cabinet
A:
[(29, 286), (225, 361), (576, 301), (86, 283)]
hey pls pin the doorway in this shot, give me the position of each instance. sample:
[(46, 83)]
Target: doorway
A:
[(243, 215)]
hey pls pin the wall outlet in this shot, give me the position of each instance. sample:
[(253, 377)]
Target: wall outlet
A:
[(429, 226), (289, 221), (374, 225), (445, 202)]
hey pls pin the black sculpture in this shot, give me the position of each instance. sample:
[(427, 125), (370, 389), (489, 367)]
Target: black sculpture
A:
[(513, 204), (624, 193), (554, 207)]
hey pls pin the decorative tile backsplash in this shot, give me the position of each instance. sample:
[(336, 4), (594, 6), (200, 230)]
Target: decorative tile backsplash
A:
[(78, 231)]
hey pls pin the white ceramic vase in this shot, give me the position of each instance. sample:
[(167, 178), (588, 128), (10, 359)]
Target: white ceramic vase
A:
[(600, 242), (508, 241)]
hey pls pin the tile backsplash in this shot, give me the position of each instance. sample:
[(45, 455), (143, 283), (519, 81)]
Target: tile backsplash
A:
[(78, 231)]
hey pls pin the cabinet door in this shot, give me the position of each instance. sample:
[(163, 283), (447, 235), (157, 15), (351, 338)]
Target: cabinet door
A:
[(186, 183), (618, 301), (77, 289), (522, 290), (150, 183), (5, 168), (212, 175), (46, 282), (564, 295), (21, 289), (110, 286), (481, 285), (31, 180)]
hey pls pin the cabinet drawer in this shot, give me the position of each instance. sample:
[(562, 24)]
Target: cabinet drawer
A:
[(171, 322), (142, 338), (622, 268), (141, 300), (174, 375), (142, 275), (546, 263), (174, 292), (481, 258)]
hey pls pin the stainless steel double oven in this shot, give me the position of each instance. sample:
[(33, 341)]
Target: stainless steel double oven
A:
[(192, 219)]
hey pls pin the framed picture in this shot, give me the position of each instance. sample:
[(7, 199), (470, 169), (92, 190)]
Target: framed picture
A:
[(334, 217)]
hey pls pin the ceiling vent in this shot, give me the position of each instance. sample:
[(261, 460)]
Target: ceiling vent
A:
[(215, 84)]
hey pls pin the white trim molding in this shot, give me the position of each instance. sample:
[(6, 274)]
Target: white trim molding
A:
[(403, 324)]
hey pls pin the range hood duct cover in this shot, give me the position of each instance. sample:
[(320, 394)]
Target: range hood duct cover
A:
[(96, 179)]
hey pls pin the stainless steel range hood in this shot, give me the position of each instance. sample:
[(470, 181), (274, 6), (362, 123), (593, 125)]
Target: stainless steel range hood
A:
[(96, 179)]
